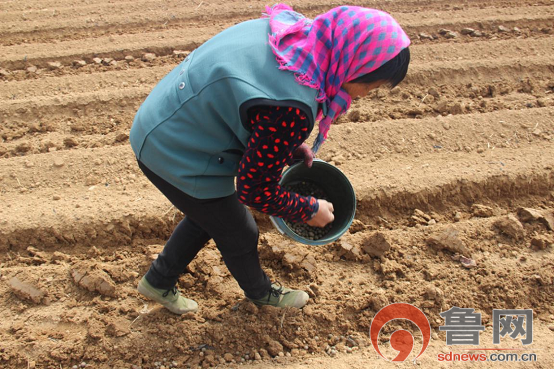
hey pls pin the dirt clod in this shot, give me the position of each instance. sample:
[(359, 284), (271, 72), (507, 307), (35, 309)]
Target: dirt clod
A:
[(58, 162), (448, 240), (54, 65), (478, 210), (118, 328), (425, 36), (349, 251), (354, 115), (528, 214), (273, 346), (376, 244), (548, 220), (94, 280), (148, 57), (541, 242), (26, 290), (356, 226), (510, 226)]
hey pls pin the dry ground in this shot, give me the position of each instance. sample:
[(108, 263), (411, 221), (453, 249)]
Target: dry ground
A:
[(467, 140)]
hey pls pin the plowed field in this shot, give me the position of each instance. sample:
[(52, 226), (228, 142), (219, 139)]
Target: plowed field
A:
[(464, 147)]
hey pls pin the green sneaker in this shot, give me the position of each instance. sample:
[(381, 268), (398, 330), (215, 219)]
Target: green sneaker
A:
[(171, 299), (280, 296)]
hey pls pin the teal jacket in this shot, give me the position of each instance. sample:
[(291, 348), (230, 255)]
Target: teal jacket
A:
[(192, 130)]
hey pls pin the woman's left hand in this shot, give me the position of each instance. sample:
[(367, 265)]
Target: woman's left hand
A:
[(305, 154)]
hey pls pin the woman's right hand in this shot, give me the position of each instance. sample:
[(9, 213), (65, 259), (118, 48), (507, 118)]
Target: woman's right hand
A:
[(323, 216)]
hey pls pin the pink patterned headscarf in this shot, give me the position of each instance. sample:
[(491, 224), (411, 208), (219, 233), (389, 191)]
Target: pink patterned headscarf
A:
[(333, 48)]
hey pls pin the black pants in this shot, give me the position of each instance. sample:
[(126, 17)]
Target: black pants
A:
[(227, 221)]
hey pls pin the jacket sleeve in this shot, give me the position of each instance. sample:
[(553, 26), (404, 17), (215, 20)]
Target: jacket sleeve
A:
[(276, 133)]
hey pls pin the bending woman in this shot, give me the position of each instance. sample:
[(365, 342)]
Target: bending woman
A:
[(241, 106)]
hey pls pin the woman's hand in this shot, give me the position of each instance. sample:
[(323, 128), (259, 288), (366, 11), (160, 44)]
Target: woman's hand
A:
[(323, 216), (305, 154)]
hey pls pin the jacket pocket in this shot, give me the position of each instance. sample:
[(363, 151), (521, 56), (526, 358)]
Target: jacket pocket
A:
[(225, 163)]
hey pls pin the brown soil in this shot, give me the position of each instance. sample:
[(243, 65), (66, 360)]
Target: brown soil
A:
[(442, 164)]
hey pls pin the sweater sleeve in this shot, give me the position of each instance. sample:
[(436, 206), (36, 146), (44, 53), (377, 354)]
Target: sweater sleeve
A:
[(276, 133)]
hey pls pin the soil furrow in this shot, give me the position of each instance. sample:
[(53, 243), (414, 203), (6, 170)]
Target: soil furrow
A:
[(448, 176), (74, 119), (79, 23), (94, 74), (163, 39), (100, 5), (81, 215), (370, 141)]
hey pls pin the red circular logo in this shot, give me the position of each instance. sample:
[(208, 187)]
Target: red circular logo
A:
[(401, 340)]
